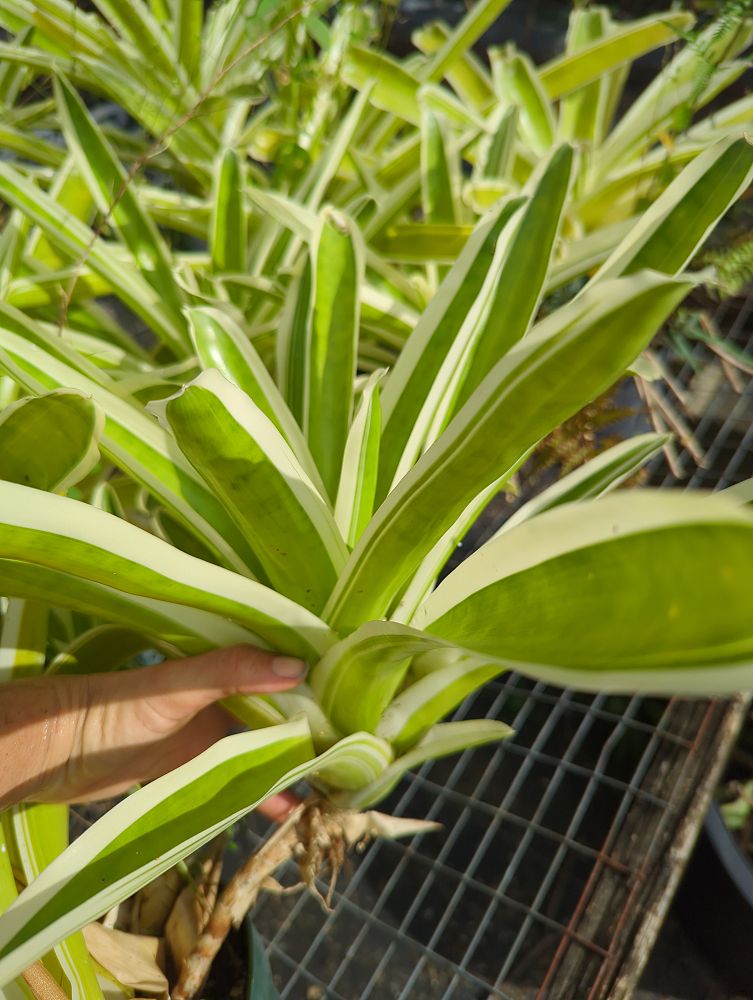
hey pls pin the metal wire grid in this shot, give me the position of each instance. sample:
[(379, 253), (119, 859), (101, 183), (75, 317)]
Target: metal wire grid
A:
[(552, 844), (533, 830)]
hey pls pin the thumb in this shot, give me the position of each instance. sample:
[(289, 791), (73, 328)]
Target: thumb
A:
[(179, 689)]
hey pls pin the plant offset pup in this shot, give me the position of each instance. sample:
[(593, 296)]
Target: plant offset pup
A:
[(311, 512)]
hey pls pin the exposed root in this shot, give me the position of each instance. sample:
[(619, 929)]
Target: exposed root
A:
[(316, 835), (42, 984)]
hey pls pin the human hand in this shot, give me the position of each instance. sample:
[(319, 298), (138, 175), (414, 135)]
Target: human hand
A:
[(83, 737)]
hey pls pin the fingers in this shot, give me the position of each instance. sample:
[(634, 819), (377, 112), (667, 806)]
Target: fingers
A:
[(279, 806), (178, 689)]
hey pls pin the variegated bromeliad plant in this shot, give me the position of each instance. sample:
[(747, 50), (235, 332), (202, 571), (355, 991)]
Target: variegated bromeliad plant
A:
[(308, 508)]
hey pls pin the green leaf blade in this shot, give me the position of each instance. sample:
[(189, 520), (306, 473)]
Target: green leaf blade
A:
[(244, 459)]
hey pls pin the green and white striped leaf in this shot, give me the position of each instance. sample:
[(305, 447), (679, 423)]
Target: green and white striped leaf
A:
[(573, 70), (49, 442), (521, 282), (466, 74), (291, 348), (357, 678), (669, 232), (360, 762), (76, 539), (40, 834), (170, 625), (675, 87), (593, 479), (497, 147), (463, 36), (360, 466), (391, 86), (228, 233), (23, 639), (581, 111), (332, 341), (139, 446), (576, 353), (440, 741), (438, 183), (568, 597), (250, 468), (150, 831), (428, 699), (415, 371), (517, 83), (220, 343)]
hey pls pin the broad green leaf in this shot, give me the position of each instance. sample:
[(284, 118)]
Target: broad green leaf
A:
[(425, 701), (440, 741), (594, 478), (516, 82), (220, 343), (357, 487), (228, 232), (76, 539), (247, 464), (683, 628), (110, 187), (185, 629), (337, 273), (415, 371), (50, 442), (576, 353), (567, 73)]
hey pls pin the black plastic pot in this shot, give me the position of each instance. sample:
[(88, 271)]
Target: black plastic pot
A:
[(716, 903)]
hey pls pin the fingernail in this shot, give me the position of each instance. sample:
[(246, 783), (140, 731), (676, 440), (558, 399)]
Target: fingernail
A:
[(288, 666)]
